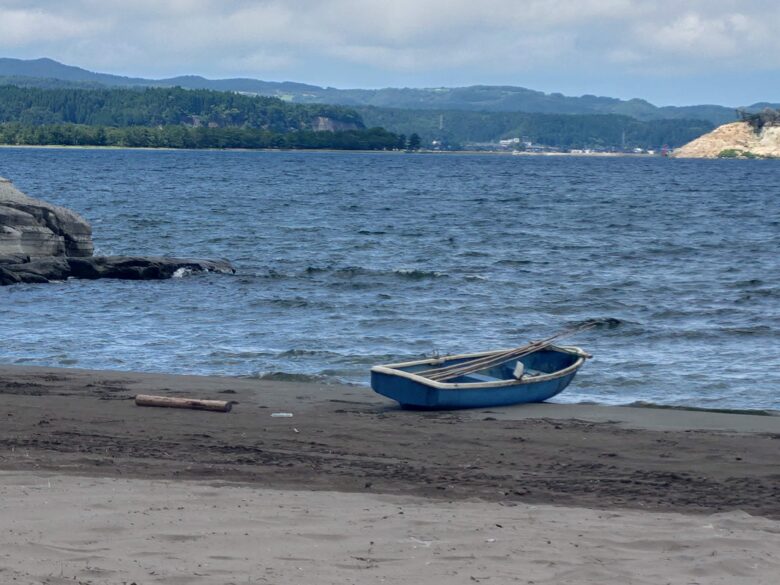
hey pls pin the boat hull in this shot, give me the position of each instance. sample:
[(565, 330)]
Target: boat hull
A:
[(556, 369)]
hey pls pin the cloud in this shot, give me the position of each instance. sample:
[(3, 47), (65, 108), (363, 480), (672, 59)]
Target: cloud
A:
[(693, 36), (21, 27), (315, 40)]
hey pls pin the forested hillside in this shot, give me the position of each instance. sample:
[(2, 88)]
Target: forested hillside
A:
[(456, 128), (165, 106), (200, 137), (179, 118)]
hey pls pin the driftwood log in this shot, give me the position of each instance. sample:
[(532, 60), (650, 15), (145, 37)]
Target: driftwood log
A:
[(194, 403)]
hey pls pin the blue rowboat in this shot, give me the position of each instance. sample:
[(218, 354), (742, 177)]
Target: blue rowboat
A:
[(546, 372)]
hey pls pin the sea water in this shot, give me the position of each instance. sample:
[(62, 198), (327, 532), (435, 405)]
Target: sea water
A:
[(346, 260)]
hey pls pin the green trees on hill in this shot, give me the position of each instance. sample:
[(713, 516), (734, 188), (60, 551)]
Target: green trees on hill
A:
[(178, 118), (458, 128), (201, 137), (164, 107), (757, 120)]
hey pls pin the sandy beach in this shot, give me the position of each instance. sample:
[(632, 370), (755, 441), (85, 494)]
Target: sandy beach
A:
[(351, 489)]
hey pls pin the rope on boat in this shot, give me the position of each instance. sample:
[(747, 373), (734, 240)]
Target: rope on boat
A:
[(497, 358)]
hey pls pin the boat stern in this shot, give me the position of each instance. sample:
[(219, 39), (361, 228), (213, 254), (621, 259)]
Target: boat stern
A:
[(408, 393)]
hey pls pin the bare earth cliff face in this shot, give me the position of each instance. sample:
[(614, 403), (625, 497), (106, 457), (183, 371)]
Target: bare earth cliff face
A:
[(41, 242), (738, 137), (325, 124)]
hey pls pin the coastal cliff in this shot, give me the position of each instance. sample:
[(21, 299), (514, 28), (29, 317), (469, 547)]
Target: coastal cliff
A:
[(735, 140)]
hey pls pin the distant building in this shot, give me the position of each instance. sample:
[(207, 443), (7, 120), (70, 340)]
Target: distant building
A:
[(508, 142)]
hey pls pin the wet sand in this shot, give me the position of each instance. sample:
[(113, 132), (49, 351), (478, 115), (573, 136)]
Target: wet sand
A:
[(350, 458)]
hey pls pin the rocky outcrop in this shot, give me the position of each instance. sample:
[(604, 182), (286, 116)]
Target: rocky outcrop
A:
[(40, 242), (37, 229), (735, 140), (14, 270)]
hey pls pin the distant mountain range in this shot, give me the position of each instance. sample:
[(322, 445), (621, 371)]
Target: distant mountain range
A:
[(48, 73)]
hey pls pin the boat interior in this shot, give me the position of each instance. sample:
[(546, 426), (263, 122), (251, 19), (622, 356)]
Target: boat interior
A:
[(539, 363)]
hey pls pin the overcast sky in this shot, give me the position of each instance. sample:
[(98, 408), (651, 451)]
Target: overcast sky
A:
[(667, 51)]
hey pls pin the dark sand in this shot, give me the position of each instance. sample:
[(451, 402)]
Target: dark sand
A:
[(347, 439)]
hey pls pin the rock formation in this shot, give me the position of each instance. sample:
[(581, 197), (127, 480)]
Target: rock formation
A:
[(735, 140), (34, 228), (40, 242), (14, 270)]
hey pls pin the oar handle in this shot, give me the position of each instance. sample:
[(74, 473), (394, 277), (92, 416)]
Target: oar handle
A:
[(498, 358)]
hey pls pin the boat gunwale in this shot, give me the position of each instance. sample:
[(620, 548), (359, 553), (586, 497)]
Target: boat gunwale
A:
[(392, 370)]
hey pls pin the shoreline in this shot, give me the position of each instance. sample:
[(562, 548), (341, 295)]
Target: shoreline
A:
[(334, 150), (328, 382), (348, 439)]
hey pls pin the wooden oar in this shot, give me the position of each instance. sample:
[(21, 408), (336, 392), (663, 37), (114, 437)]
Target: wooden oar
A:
[(485, 362), (489, 361), (532, 346), (499, 357), (436, 373), (525, 349)]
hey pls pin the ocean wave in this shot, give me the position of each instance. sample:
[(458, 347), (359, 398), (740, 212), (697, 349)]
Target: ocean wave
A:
[(182, 272), (674, 313), (757, 412), (709, 333), (358, 271), (601, 323), (512, 262), (296, 302), (760, 293), (416, 274), (240, 354), (307, 353), (755, 330), (293, 377), (273, 274), (680, 335), (291, 303), (352, 272), (302, 228)]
